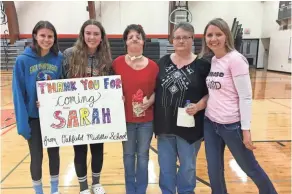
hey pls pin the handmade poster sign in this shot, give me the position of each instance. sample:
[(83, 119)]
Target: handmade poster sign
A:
[(81, 111)]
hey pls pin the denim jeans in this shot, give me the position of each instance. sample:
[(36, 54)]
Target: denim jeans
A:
[(216, 137), (169, 148), (138, 144)]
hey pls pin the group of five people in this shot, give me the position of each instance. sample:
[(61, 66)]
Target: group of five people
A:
[(218, 92)]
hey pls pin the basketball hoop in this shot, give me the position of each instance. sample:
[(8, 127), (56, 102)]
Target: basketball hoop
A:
[(181, 3), (180, 15)]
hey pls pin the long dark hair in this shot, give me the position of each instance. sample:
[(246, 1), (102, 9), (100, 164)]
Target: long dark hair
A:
[(79, 59), (40, 25)]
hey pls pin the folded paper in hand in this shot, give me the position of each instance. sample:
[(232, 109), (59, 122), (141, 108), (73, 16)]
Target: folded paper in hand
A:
[(184, 119)]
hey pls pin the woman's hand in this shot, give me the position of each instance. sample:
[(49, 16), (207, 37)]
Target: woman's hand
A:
[(146, 105), (192, 109), (38, 104), (247, 140), (148, 102)]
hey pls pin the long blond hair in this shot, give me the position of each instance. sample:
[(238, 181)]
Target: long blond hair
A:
[(79, 59), (223, 26)]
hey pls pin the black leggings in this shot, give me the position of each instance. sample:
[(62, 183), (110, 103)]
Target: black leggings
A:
[(81, 158), (36, 153)]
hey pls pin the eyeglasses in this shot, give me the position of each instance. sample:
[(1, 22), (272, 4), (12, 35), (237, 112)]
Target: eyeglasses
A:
[(184, 38)]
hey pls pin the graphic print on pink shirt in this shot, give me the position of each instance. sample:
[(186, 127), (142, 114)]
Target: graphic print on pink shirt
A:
[(223, 102), (215, 85)]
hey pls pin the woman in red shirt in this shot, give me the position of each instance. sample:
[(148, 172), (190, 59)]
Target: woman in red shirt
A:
[(138, 74)]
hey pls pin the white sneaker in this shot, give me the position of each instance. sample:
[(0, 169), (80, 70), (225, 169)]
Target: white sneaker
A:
[(98, 189), (85, 192)]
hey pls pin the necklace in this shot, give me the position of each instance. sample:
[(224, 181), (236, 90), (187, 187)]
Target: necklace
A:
[(134, 57)]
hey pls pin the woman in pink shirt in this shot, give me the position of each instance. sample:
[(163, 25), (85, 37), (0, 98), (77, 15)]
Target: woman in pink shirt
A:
[(228, 112)]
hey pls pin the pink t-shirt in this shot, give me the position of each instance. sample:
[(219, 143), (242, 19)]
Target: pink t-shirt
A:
[(223, 102)]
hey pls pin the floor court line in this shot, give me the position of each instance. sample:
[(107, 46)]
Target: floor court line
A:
[(5, 130), (8, 126), (11, 171), (8, 174), (5, 85), (6, 104), (280, 144), (279, 103), (88, 165), (271, 141), (250, 181), (121, 184), (198, 178), (155, 151), (70, 186)]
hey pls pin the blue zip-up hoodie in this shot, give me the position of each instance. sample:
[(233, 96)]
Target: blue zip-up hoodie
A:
[(28, 69)]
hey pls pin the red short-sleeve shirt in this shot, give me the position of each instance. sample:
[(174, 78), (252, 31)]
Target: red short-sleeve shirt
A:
[(137, 84)]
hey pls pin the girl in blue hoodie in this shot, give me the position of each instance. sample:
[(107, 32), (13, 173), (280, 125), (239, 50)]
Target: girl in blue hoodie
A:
[(40, 61)]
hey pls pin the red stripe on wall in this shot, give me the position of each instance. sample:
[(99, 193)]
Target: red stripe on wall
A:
[(165, 36)]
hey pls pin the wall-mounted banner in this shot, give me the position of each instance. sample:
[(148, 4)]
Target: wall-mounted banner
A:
[(81, 111)]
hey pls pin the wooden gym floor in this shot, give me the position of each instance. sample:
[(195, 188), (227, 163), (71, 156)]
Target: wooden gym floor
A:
[(270, 130)]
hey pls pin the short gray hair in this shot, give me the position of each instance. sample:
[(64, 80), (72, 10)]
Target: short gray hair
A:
[(185, 26)]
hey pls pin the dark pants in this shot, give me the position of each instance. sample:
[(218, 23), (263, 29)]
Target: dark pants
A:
[(216, 137), (81, 158), (36, 153)]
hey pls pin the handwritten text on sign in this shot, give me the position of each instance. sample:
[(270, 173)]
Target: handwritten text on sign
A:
[(81, 111)]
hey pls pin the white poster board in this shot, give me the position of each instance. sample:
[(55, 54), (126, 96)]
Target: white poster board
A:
[(81, 111)]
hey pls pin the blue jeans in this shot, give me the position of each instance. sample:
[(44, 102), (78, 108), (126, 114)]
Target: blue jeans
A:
[(138, 144), (169, 148), (216, 137)]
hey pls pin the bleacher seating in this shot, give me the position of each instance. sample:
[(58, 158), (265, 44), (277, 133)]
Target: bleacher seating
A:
[(151, 50), (154, 48), (65, 43), (10, 52), (117, 46), (198, 45)]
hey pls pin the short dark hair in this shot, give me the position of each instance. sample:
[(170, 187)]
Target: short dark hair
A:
[(40, 25), (136, 27)]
